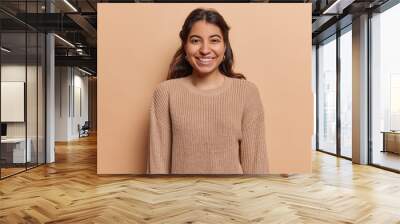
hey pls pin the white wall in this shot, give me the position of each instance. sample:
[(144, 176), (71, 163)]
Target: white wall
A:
[(71, 94), (81, 103), (62, 81), (33, 127), (16, 73)]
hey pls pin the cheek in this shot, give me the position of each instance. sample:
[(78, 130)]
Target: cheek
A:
[(220, 50), (190, 49)]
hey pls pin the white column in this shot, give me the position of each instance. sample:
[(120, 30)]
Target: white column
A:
[(50, 92), (360, 90), (50, 100)]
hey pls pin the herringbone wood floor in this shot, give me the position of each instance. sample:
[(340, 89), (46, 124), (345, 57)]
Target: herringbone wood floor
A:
[(69, 191)]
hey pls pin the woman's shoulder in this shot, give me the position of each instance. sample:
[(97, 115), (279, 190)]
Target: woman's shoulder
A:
[(166, 85), (244, 84)]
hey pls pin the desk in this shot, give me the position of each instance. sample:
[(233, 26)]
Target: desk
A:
[(13, 150), (391, 141)]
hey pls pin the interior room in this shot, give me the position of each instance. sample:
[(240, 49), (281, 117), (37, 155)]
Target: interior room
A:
[(76, 132)]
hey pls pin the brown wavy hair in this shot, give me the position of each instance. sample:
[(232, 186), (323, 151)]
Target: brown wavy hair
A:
[(179, 67)]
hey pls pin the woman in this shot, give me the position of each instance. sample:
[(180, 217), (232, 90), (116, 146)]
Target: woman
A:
[(206, 119)]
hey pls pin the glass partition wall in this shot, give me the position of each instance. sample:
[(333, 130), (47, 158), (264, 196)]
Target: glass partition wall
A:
[(345, 62), (22, 88), (327, 95), (385, 89), (334, 93), (334, 114)]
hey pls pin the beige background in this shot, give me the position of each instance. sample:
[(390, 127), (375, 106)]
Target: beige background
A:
[(272, 47)]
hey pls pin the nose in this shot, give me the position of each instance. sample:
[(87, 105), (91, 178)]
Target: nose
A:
[(205, 48)]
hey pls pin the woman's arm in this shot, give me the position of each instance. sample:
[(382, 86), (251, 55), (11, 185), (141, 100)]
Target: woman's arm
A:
[(253, 149), (160, 133)]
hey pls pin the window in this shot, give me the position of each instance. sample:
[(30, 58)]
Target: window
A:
[(327, 95), (385, 88), (346, 93)]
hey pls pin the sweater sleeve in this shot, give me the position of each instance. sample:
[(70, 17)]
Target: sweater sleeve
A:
[(253, 149), (160, 133)]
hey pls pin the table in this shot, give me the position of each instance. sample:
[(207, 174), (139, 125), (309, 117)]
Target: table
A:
[(391, 141), (13, 150)]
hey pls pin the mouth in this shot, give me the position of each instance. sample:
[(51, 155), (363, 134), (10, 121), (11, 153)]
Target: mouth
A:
[(205, 60)]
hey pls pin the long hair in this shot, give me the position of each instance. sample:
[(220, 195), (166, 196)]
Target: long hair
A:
[(179, 67)]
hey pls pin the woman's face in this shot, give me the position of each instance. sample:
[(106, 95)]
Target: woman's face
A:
[(205, 48)]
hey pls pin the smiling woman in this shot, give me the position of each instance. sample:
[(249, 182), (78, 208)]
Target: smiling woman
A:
[(205, 48), (206, 119), (205, 34)]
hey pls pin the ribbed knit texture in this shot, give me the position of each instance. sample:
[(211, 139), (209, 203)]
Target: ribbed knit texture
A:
[(218, 131)]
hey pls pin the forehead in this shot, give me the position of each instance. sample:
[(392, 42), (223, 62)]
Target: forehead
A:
[(204, 29)]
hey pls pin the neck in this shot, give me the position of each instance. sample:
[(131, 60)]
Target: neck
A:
[(209, 81)]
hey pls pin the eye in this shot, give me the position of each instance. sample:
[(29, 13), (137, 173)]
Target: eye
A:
[(194, 40), (215, 40)]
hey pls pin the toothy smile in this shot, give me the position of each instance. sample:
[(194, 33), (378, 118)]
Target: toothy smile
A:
[(205, 61)]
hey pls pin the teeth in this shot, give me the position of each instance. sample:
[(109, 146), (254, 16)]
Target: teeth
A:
[(205, 60)]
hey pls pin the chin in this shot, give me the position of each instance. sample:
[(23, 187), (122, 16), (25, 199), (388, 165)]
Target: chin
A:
[(205, 72)]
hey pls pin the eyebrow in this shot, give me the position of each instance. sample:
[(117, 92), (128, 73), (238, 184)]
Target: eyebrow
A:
[(215, 35)]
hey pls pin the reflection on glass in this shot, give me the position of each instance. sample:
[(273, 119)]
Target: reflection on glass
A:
[(13, 85), (22, 90), (386, 87), (327, 96), (346, 94), (31, 101)]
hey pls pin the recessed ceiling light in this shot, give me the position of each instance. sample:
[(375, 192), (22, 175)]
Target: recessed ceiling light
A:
[(5, 50), (84, 71), (337, 7), (64, 40), (70, 5)]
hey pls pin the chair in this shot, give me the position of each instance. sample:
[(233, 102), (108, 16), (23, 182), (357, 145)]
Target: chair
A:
[(84, 130)]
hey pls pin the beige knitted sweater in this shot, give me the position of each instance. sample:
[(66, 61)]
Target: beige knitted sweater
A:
[(218, 131)]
